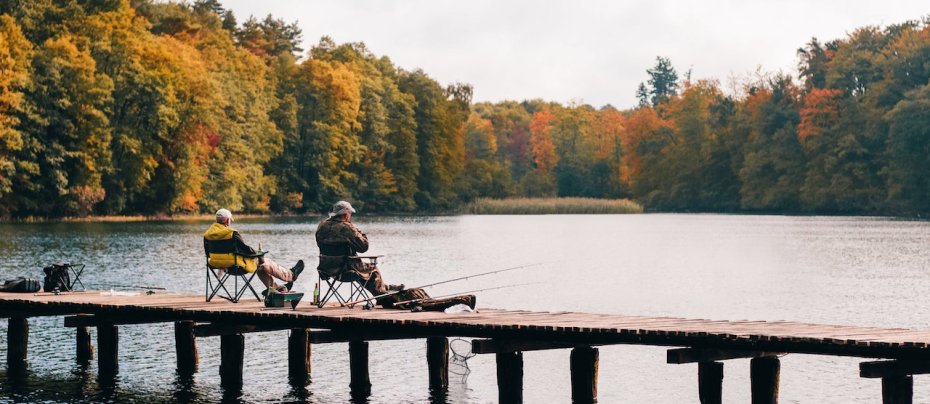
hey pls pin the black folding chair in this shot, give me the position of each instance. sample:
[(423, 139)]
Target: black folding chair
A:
[(242, 281), (64, 274), (347, 279)]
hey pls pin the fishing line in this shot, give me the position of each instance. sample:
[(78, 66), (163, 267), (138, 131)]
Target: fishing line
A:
[(394, 292)]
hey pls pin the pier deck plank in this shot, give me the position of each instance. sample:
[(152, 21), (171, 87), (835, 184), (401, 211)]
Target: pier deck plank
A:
[(569, 328)]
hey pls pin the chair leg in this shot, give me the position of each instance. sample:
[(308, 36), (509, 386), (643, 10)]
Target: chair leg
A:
[(247, 286), (248, 283), (327, 295), (332, 291), (235, 289), (342, 301), (212, 290), (221, 284), (77, 277)]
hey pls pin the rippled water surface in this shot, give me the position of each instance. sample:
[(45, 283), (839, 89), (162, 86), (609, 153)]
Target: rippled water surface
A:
[(858, 271)]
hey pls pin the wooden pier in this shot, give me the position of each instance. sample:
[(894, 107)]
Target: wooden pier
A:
[(504, 333)]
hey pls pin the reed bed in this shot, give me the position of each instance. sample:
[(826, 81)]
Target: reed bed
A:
[(552, 206)]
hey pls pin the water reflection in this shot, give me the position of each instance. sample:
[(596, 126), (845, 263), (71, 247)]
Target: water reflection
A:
[(184, 391), (299, 393), (438, 396)]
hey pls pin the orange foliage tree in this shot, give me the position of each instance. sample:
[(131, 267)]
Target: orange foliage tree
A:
[(541, 144)]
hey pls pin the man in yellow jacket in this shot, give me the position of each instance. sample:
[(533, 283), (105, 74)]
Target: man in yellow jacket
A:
[(225, 248)]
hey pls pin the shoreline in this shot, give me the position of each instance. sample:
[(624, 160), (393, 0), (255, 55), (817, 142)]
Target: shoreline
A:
[(209, 217)]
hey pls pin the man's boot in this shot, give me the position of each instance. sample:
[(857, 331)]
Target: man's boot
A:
[(295, 272)]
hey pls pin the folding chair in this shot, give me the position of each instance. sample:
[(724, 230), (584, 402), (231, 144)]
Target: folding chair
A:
[(77, 270), (65, 274), (217, 278), (350, 279)]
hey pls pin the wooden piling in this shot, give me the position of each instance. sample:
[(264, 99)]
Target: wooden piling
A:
[(298, 356), (107, 350), (509, 377), (359, 382), (17, 343), (898, 389), (186, 347), (437, 360), (84, 346), (764, 375), (584, 365), (232, 354), (710, 382)]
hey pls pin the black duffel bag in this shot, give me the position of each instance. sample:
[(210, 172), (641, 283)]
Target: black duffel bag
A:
[(57, 278), (20, 285)]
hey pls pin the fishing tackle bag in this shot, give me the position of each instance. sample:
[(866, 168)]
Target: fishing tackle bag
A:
[(56, 278), (20, 285)]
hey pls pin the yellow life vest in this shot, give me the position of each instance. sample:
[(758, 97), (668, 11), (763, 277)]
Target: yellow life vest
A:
[(222, 249)]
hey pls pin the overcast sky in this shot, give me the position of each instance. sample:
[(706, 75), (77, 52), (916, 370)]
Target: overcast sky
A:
[(591, 51)]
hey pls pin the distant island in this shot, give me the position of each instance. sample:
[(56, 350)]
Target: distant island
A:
[(173, 109)]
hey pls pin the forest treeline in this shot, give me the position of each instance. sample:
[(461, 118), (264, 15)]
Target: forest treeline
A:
[(142, 107)]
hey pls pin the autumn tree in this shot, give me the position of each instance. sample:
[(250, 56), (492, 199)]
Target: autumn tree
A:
[(440, 115), (71, 128), (541, 182), (773, 166), (15, 77), (269, 37), (908, 142)]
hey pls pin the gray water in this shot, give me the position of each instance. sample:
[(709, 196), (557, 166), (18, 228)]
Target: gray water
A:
[(836, 270)]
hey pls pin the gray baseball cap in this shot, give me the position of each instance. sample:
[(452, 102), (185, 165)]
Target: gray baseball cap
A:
[(341, 208)]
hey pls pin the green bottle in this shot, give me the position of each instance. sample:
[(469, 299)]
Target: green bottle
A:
[(316, 293)]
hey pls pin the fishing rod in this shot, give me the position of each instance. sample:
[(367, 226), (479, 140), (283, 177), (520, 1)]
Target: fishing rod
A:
[(462, 293), (116, 285), (394, 292)]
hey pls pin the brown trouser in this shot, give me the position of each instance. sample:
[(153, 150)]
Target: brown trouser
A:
[(269, 270)]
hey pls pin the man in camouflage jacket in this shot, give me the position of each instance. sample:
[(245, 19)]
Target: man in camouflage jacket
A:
[(339, 240)]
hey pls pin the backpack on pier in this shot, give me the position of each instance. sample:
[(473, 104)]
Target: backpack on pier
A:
[(20, 285), (57, 278)]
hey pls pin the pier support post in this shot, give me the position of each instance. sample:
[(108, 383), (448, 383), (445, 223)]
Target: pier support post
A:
[(584, 365), (898, 389), (764, 375), (186, 348), (298, 356), (108, 348), (85, 347), (17, 343), (437, 360), (359, 382), (710, 382), (509, 377), (897, 377), (232, 354)]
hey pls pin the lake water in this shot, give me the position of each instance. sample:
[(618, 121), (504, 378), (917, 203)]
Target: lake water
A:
[(837, 270)]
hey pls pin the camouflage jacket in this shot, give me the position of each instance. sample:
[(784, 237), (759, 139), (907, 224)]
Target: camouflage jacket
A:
[(338, 240)]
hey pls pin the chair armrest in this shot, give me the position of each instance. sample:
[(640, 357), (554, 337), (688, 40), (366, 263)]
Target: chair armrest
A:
[(258, 254), (372, 259)]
